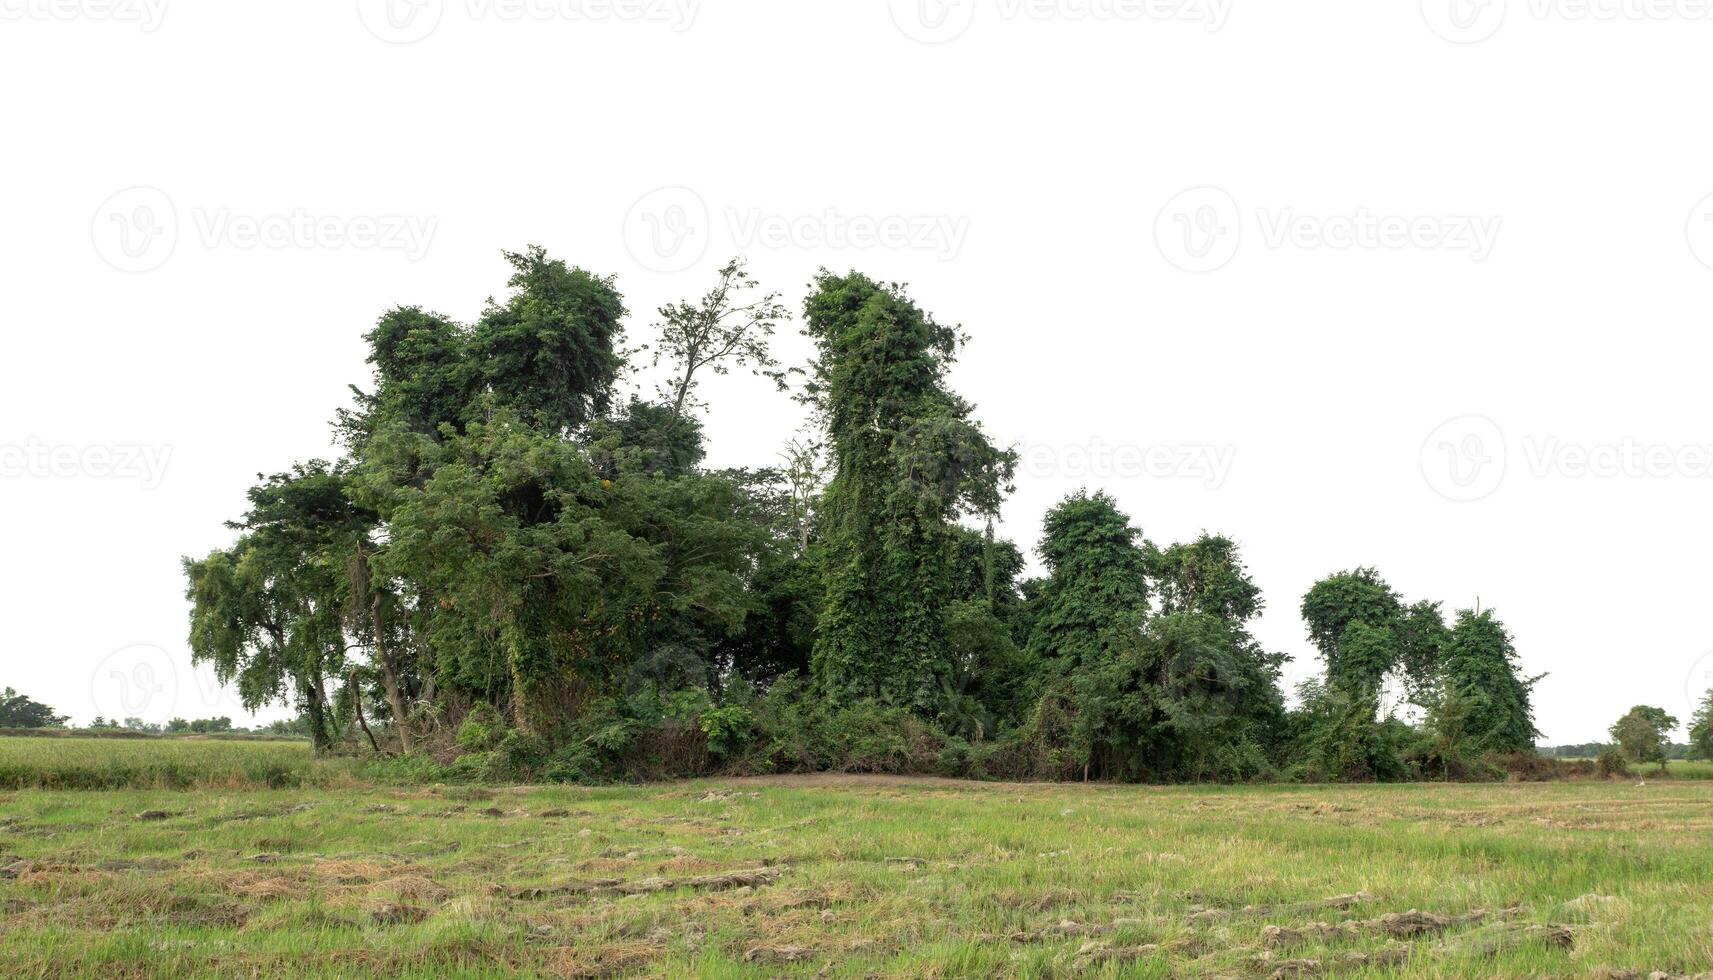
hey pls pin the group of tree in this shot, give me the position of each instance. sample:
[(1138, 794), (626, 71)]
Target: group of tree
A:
[(520, 565), (19, 711)]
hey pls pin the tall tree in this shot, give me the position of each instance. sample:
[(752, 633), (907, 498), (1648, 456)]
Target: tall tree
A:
[(1481, 663), (908, 461)]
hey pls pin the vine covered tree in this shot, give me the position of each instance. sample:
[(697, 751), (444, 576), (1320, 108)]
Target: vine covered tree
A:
[(907, 462)]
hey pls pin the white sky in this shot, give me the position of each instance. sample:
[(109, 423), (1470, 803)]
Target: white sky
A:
[(1528, 211)]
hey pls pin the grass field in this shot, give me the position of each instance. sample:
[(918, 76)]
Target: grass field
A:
[(848, 876), (179, 762)]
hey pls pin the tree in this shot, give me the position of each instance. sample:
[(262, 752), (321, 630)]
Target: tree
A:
[(18, 711), (1701, 729), (549, 351), (720, 331), (1205, 576), (908, 461), (1480, 662), (1642, 734), (1329, 609), (268, 612), (1096, 594)]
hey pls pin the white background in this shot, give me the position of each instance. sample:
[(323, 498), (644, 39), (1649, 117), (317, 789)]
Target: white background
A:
[(1056, 138)]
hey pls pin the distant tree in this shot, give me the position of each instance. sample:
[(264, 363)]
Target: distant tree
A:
[(205, 726), (176, 725), (1096, 594), (1701, 729), (1642, 733), (18, 711), (1481, 662)]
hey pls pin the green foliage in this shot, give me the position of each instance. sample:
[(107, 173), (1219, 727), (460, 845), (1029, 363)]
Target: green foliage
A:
[(1612, 762), (19, 711), (1096, 595), (907, 462), (1643, 734), (1340, 740), (1701, 729), (1332, 606), (727, 729), (1480, 660), (482, 729), (549, 351)]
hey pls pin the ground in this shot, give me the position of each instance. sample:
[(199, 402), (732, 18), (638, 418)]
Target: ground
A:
[(858, 876)]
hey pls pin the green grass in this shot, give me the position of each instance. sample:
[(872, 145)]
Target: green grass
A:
[(859, 877), (159, 763)]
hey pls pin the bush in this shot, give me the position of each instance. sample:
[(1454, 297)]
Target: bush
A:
[(1612, 763), (482, 730)]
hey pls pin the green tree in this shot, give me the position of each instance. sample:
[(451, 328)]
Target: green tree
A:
[(1096, 593), (1481, 662), (908, 461), (1701, 728), (550, 350), (18, 711), (1642, 734), (1330, 608), (1205, 576), (268, 612)]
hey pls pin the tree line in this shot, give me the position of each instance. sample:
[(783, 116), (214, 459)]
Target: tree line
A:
[(515, 571)]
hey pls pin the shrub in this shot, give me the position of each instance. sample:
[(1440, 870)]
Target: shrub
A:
[(1612, 763), (482, 730)]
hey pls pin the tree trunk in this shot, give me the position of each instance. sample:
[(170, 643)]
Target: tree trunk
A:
[(389, 674), (357, 706)]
